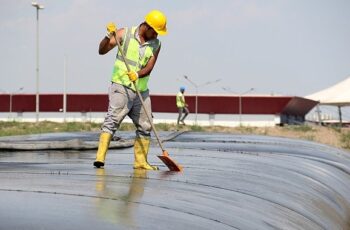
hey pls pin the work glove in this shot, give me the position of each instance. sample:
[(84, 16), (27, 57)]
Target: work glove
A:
[(111, 29), (133, 76)]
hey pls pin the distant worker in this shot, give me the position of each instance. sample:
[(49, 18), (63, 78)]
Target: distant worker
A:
[(182, 106), (141, 48)]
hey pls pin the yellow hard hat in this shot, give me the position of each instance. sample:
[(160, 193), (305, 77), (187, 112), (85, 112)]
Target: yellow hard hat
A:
[(157, 21)]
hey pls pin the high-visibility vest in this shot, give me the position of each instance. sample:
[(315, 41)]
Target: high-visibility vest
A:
[(137, 57), (180, 100)]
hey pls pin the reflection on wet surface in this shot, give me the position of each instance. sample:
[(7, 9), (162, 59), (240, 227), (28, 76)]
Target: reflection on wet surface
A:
[(116, 205), (229, 182)]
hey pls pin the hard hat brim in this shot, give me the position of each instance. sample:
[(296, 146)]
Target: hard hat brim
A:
[(161, 32)]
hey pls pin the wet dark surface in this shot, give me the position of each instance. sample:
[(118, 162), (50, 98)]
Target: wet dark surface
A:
[(229, 182)]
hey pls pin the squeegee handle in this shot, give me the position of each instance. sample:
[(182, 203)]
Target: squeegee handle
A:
[(140, 97)]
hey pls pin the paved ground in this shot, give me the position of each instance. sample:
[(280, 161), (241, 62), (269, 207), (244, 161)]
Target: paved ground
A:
[(229, 182)]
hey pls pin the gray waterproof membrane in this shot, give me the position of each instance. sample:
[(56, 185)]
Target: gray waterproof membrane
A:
[(229, 182)]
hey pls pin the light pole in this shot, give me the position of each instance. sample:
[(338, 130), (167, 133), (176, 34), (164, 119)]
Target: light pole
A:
[(38, 7), (65, 89), (196, 86), (239, 101), (240, 104)]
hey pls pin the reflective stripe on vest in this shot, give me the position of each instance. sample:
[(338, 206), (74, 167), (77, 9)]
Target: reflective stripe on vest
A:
[(137, 57)]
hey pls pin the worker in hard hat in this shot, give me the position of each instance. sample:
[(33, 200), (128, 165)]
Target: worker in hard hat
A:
[(141, 48), (181, 106)]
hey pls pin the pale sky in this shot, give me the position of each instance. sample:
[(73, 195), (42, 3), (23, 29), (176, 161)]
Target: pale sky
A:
[(289, 47)]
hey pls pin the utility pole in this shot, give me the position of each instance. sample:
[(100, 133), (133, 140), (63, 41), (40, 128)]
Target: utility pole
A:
[(318, 111), (37, 103), (239, 101), (196, 86), (64, 89), (340, 116)]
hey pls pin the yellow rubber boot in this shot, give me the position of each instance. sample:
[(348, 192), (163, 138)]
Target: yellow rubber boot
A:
[(141, 148), (105, 139)]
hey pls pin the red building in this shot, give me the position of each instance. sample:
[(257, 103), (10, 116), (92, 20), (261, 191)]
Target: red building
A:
[(289, 109)]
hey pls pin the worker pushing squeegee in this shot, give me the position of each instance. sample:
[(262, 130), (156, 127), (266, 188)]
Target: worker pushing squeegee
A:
[(138, 49)]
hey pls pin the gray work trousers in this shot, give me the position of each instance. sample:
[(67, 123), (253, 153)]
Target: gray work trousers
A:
[(124, 101), (182, 110)]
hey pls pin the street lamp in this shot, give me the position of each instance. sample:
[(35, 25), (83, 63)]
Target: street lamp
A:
[(239, 101), (240, 104), (196, 86), (65, 89), (38, 7)]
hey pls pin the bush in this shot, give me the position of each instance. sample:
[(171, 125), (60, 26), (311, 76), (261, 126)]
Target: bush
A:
[(300, 128), (337, 129), (246, 129), (196, 128), (345, 139), (163, 127)]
